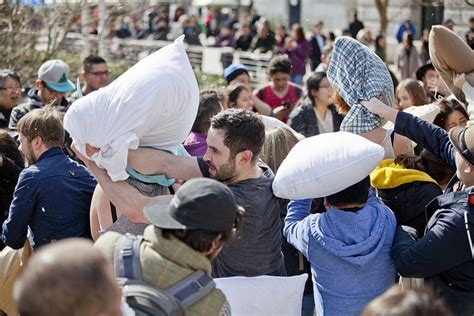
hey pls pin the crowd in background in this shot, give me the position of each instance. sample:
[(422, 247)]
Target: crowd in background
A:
[(298, 98)]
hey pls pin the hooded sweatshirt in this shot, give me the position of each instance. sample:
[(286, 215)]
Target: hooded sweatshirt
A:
[(349, 253)]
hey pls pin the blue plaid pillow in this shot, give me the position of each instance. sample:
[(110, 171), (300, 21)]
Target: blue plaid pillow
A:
[(358, 74)]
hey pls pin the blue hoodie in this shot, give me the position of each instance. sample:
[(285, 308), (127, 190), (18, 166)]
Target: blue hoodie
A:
[(349, 253)]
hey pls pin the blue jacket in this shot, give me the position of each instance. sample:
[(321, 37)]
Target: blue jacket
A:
[(429, 136), (52, 198), (401, 30), (443, 255), (349, 253)]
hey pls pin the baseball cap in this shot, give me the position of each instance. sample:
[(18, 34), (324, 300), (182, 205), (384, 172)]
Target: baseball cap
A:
[(463, 139), (199, 204), (55, 73), (234, 70)]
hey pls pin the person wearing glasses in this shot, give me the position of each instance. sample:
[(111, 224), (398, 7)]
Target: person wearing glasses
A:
[(10, 95), (49, 89), (95, 75)]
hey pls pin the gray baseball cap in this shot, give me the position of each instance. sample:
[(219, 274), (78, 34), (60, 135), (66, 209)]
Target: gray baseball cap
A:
[(55, 73)]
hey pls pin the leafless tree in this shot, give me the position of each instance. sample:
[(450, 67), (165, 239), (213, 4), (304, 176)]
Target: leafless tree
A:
[(382, 6), (30, 36)]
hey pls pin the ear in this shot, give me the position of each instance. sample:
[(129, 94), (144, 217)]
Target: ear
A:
[(37, 142), (244, 157), (83, 75), (38, 84), (326, 204), (468, 169), (216, 247)]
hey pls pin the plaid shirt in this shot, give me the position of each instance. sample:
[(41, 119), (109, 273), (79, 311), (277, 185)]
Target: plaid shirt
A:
[(358, 74)]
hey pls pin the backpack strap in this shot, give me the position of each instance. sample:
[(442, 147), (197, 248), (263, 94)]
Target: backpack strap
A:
[(127, 257), (299, 91), (261, 93), (193, 288)]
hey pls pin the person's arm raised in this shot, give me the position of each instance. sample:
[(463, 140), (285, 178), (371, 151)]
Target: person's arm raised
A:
[(120, 193), (431, 137), (149, 161), (377, 107)]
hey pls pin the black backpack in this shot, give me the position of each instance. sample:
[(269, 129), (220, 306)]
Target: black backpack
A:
[(145, 299)]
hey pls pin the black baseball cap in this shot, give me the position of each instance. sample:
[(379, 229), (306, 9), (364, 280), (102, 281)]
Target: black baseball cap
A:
[(200, 203)]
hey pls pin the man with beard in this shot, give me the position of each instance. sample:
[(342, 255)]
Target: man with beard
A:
[(234, 140), (53, 194)]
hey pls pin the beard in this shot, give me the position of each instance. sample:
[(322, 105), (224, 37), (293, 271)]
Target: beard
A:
[(29, 156), (225, 172)]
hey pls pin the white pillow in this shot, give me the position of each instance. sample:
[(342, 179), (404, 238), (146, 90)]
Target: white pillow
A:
[(325, 164), (271, 122), (264, 295), (425, 112), (153, 104)]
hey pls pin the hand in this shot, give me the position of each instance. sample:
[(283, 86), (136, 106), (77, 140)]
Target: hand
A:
[(459, 80), (88, 162), (281, 112), (437, 86), (375, 106)]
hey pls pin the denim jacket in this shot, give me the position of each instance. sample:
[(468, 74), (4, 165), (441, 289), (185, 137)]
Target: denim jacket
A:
[(52, 198)]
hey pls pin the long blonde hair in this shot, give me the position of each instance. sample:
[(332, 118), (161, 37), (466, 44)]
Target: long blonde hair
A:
[(277, 145)]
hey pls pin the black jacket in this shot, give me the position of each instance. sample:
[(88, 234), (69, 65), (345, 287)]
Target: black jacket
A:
[(32, 102), (9, 172), (303, 119), (315, 57), (444, 254), (408, 203)]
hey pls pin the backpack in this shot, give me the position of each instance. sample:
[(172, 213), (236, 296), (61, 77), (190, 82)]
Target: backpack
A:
[(145, 299)]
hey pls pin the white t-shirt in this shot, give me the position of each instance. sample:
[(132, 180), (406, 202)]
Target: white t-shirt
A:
[(325, 125)]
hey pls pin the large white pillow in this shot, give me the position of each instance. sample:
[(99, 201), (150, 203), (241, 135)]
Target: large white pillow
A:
[(264, 295), (325, 164), (153, 104)]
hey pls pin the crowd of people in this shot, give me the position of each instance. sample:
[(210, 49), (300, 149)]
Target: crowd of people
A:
[(391, 200)]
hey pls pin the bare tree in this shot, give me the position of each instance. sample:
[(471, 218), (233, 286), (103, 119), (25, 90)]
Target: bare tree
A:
[(382, 6), (30, 36)]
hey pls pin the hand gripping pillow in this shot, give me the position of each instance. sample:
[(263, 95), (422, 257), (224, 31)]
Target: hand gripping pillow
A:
[(450, 55), (325, 164), (153, 104), (358, 74)]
